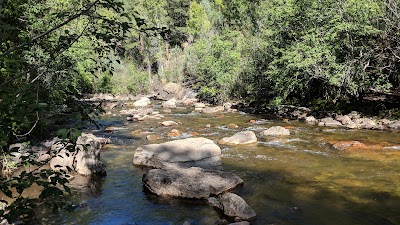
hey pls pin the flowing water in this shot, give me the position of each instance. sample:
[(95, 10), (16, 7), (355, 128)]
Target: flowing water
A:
[(300, 179)]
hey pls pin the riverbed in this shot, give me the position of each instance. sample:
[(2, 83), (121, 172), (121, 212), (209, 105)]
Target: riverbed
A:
[(299, 179)]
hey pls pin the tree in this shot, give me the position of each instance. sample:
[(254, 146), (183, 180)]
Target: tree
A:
[(46, 51)]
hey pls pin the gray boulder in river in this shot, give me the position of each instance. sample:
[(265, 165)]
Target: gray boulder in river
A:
[(233, 206), (188, 152), (193, 182)]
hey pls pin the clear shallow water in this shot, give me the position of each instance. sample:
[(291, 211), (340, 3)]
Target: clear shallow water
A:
[(300, 179)]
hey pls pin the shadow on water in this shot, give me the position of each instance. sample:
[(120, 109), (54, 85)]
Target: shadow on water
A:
[(279, 197)]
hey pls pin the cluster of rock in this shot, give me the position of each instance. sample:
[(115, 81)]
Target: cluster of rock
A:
[(83, 157), (141, 114), (249, 137), (203, 108), (352, 120), (107, 97), (191, 168)]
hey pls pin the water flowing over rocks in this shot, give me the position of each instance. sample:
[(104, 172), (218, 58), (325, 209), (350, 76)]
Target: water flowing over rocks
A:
[(191, 182), (190, 151), (84, 158), (191, 168), (241, 138), (275, 131)]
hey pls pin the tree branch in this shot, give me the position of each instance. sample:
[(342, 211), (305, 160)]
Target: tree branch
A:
[(68, 20)]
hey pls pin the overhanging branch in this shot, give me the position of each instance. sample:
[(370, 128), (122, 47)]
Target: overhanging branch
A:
[(68, 20)]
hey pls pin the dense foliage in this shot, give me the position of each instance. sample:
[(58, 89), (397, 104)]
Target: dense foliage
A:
[(272, 51), (268, 51)]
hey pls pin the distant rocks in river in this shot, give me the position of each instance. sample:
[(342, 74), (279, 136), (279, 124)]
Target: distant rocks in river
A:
[(329, 122), (144, 101), (232, 126), (154, 137), (170, 103), (169, 123), (199, 105), (353, 120), (395, 125), (275, 131), (209, 110), (241, 138)]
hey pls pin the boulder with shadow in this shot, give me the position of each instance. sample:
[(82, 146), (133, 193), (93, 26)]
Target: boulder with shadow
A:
[(200, 152)]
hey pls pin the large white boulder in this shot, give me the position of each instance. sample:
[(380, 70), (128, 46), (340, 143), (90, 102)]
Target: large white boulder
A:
[(191, 151)]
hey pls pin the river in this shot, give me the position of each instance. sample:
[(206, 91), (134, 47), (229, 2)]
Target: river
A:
[(300, 179)]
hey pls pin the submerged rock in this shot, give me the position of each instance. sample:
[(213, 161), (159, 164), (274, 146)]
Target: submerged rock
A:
[(191, 182), (191, 151), (329, 122), (233, 206), (276, 131), (241, 138), (311, 120)]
